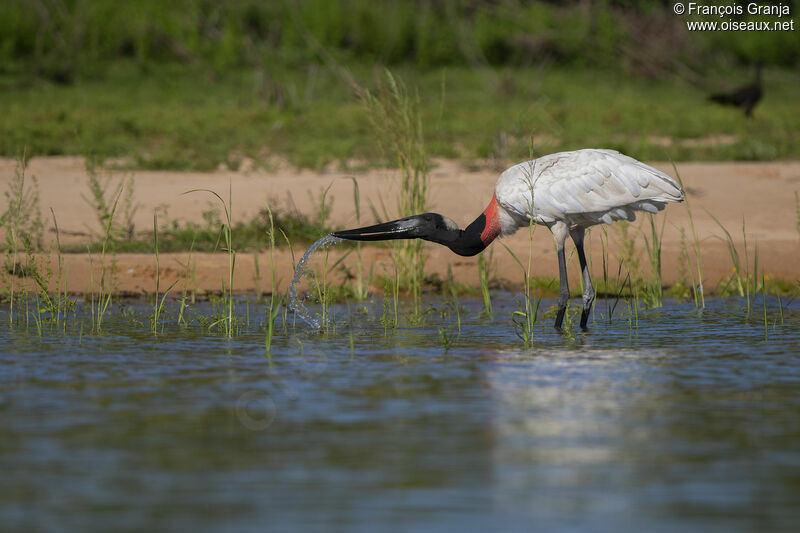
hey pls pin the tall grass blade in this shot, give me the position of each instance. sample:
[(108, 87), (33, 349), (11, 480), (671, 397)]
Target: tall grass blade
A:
[(697, 254)]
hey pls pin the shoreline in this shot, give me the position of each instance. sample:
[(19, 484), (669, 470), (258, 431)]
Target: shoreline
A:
[(760, 194)]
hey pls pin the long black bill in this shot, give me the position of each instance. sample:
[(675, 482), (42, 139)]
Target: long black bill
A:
[(404, 228), (428, 226)]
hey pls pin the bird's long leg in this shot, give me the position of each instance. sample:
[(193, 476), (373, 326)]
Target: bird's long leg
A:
[(588, 290), (560, 232)]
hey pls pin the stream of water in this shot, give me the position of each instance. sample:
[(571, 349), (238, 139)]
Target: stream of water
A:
[(296, 302)]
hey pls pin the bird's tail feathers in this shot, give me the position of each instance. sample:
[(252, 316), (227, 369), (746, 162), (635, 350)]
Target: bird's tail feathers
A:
[(724, 99)]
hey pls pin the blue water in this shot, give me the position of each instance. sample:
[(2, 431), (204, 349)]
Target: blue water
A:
[(671, 420)]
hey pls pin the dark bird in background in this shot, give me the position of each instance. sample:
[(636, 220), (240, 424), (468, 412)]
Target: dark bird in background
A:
[(744, 97)]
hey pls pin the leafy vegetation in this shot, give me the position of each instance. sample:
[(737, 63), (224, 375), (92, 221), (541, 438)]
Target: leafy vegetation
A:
[(180, 118), (64, 41), (194, 85)]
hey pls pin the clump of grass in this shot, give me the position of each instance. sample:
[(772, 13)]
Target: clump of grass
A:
[(483, 278), (106, 197), (653, 288), (205, 236), (452, 289), (698, 289), (64, 304), (797, 211), (764, 304), (101, 302), (683, 288), (23, 218), (648, 288), (23, 224), (391, 286), (445, 339), (228, 321), (395, 116), (524, 320), (158, 303), (627, 251), (736, 276), (744, 281), (361, 288), (274, 306)]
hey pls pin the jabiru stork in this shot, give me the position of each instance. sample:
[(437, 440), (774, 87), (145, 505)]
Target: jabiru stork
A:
[(566, 191)]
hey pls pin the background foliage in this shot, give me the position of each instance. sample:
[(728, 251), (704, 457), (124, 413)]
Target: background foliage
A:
[(199, 83)]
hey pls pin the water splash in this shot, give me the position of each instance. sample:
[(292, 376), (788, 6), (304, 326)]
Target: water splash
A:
[(295, 303)]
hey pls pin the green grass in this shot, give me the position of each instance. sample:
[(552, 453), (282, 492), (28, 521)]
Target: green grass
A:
[(247, 235), (396, 118), (185, 118), (228, 320)]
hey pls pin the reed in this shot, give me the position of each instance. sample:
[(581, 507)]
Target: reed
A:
[(64, 304), (483, 277), (23, 224), (274, 306), (745, 280), (697, 254), (453, 294), (445, 339), (362, 284), (764, 305), (389, 315), (228, 322), (628, 253), (158, 303), (797, 211), (686, 282), (524, 320), (320, 284), (733, 252), (396, 118), (257, 274), (606, 263), (106, 197), (653, 289), (101, 302), (755, 273), (186, 293)]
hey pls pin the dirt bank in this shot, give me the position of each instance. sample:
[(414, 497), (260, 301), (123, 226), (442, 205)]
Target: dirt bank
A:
[(761, 194)]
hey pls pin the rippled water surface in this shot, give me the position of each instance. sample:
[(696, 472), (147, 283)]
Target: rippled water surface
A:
[(670, 421)]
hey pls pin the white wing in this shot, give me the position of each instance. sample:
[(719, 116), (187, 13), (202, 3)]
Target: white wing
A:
[(584, 187)]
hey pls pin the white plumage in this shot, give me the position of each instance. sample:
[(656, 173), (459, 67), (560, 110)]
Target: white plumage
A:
[(571, 191), (581, 189)]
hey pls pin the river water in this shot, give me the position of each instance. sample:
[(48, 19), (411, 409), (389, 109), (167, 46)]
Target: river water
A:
[(670, 420)]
